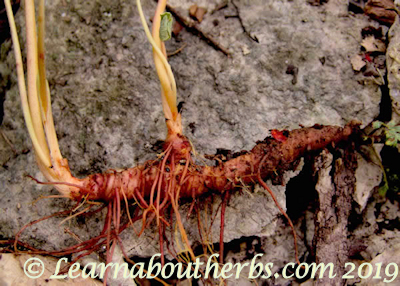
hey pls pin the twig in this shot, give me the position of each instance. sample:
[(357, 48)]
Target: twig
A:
[(231, 16), (221, 6), (8, 141), (193, 27), (177, 51), (254, 38)]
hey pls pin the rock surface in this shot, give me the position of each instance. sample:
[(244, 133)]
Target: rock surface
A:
[(393, 64), (107, 109)]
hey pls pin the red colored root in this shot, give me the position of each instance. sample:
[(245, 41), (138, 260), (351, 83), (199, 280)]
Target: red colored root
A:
[(265, 186), (159, 185), (221, 233), (149, 183)]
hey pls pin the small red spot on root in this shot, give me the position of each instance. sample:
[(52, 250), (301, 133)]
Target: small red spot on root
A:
[(278, 135)]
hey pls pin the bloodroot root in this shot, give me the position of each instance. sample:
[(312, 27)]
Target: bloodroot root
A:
[(153, 180)]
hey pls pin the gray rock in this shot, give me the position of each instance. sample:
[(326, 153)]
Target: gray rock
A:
[(108, 115), (369, 176), (393, 64)]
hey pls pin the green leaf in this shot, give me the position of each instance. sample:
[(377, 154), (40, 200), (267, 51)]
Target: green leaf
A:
[(390, 134), (391, 142), (376, 124), (166, 26), (391, 124), (396, 129), (383, 190)]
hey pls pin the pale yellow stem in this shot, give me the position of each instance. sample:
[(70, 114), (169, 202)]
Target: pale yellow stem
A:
[(169, 93), (44, 91), (41, 153), (164, 72), (32, 66), (41, 60)]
